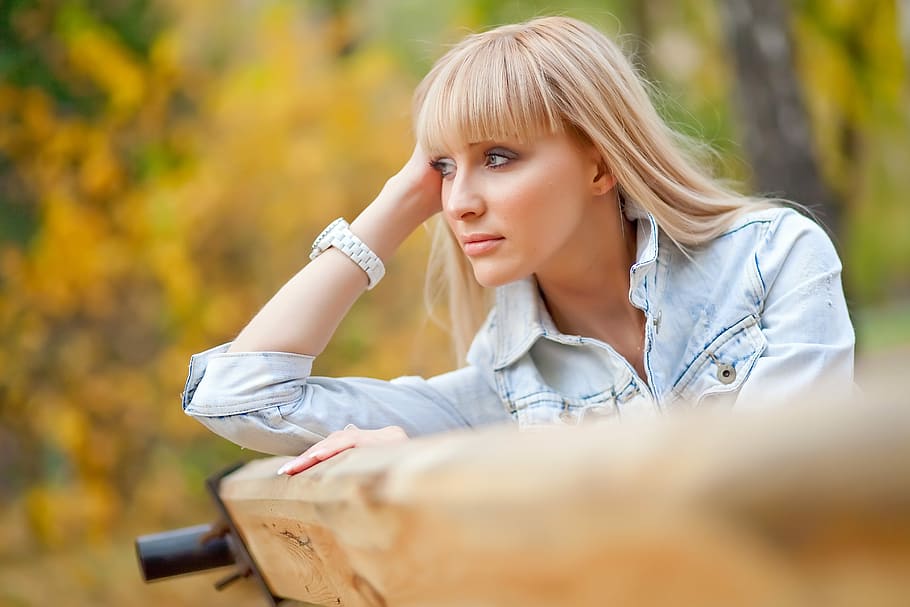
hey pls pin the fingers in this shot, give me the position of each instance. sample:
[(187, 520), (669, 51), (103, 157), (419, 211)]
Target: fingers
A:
[(336, 442), (328, 447), (310, 458), (389, 434)]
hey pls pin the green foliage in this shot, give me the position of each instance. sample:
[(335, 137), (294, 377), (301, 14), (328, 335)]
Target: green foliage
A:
[(853, 68)]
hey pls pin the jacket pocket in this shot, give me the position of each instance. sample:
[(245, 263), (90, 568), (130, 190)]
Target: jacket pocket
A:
[(545, 407), (724, 364)]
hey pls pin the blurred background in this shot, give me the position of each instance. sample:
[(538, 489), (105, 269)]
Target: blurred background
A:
[(164, 167)]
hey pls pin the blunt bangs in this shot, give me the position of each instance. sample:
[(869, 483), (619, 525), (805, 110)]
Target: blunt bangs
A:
[(489, 88)]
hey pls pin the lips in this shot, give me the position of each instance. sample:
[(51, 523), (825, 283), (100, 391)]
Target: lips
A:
[(479, 244)]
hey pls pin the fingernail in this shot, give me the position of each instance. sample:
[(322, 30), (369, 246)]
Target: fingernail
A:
[(283, 469)]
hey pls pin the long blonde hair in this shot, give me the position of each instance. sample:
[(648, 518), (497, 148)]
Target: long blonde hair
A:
[(559, 75)]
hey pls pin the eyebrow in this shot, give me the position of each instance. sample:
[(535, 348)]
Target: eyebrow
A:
[(485, 142), (474, 144)]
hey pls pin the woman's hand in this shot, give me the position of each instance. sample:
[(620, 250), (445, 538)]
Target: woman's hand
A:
[(408, 198), (417, 186), (342, 440)]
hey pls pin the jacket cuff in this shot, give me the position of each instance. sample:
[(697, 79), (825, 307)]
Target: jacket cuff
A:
[(221, 383), (198, 364)]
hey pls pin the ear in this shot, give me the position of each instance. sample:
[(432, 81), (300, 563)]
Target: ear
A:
[(604, 180)]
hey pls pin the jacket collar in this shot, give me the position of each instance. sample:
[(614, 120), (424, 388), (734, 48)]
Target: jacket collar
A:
[(522, 317)]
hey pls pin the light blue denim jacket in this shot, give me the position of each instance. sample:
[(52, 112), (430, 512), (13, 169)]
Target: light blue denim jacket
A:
[(754, 318)]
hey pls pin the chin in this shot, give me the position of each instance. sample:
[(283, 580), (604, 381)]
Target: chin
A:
[(492, 277)]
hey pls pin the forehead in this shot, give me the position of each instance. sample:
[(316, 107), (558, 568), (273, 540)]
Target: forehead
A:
[(484, 95)]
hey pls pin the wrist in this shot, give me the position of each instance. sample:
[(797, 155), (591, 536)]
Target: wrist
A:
[(387, 221), (338, 234)]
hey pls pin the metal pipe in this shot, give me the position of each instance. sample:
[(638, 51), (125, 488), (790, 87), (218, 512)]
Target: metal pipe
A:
[(187, 550)]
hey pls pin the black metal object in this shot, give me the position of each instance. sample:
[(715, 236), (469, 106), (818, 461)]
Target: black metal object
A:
[(180, 551), (202, 547)]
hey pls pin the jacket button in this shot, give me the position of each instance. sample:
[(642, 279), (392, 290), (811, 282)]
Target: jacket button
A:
[(726, 374)]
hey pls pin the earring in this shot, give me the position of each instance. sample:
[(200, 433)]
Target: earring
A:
[(621, 206)]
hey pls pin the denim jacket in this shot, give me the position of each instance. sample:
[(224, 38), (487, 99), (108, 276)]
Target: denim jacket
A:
[(754, 318)]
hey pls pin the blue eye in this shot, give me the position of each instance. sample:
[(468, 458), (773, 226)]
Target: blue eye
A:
[(495, 160), (498, 157)]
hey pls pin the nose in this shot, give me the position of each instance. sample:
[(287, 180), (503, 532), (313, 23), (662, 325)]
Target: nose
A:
[(462, 198)]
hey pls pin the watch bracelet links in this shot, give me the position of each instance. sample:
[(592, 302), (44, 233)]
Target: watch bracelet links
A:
[(338, 234)]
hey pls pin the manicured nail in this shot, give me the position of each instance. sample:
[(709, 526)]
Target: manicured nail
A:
[(283, 469)]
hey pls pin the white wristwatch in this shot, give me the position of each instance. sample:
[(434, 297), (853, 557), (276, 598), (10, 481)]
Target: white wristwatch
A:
[(338, 234)]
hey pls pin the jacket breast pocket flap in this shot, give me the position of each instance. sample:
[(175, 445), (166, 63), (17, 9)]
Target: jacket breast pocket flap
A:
[(723, 364)]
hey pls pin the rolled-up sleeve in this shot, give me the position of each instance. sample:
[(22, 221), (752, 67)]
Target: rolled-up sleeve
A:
[(804, 317), (267, 401)]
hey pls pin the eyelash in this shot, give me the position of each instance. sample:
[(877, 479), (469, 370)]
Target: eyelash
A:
[(441, 165), (490, 155)]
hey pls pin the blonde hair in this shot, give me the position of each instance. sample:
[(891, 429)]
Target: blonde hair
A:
[(559, 75)]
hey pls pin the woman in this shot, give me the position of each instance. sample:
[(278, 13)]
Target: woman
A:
[(623, 280)]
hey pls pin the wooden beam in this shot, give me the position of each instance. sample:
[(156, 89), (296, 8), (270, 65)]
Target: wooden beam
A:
[(802, 506)]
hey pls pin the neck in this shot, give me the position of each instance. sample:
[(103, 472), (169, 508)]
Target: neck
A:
[(589, 294)]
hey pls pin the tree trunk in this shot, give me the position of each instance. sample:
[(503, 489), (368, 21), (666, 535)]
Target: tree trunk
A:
[(776, 128)]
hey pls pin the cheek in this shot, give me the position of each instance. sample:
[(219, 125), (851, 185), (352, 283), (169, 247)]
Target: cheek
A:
[(444, 197), (534, 206), (524, 200)]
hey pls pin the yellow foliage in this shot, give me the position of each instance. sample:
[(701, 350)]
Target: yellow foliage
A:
[(63, 515), (849, 58), (164, 58), (67, 427), (100, 175), (98, 54), (165, 220), (36, 115)]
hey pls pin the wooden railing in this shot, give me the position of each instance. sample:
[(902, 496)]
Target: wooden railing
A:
[(796, 506)]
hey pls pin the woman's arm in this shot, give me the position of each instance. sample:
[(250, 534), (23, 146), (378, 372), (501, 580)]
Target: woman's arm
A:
[(303, 315), (804, 318), (268, 401)]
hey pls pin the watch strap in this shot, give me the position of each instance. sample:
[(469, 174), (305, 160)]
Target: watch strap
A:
[(338, 234)]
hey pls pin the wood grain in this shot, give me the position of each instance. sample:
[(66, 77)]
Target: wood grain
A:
[(803, 506)]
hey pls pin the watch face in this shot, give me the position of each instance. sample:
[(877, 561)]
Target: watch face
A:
[(321, 242), (319, 239), (338, 234)]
